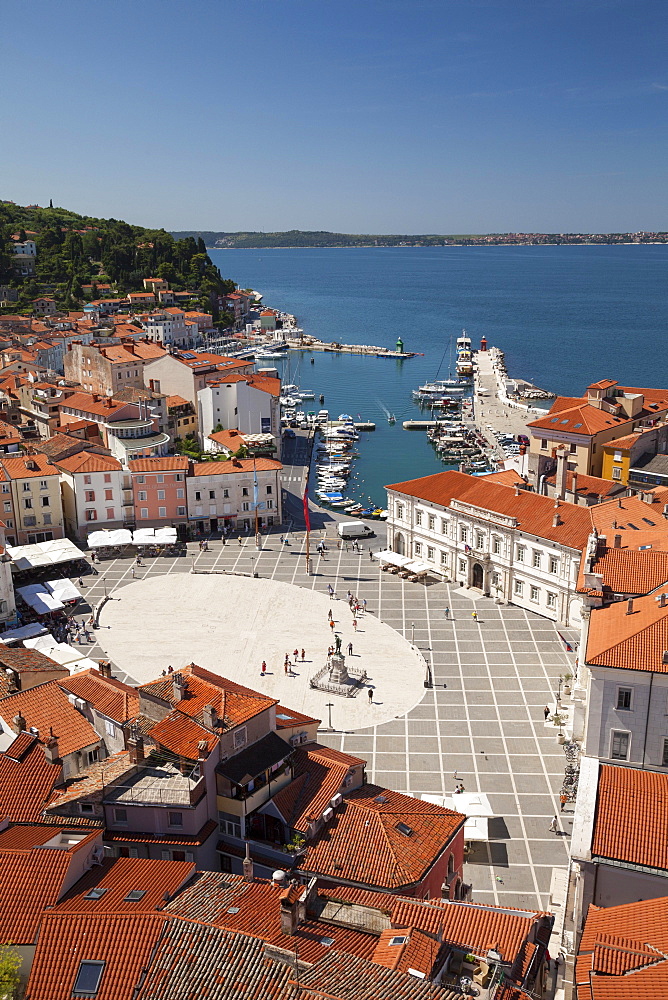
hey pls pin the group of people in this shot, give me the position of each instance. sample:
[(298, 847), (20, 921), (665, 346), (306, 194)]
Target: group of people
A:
[(287, 663)]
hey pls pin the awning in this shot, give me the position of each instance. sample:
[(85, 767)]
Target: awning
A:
[(417, 567), (393, 558), (472, 804), (102, 539), (40, 600), (476, 828), (51, 553), (154, 536), (64, 590), (23, 633), (259, 757)]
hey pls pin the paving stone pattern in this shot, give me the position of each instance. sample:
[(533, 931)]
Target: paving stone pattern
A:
[(483, 718)]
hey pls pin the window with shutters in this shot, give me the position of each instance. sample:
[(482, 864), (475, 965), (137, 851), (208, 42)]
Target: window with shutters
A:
[(620, 742)]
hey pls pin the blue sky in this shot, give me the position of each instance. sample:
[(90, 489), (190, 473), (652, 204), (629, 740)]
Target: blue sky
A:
[(388, 116)]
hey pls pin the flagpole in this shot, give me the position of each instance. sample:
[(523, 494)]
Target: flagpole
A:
[(255, 504)]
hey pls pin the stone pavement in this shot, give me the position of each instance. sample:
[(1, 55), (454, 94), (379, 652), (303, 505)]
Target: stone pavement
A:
[(483, 718)]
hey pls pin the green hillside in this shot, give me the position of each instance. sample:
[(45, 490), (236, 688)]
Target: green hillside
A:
[(75, 250)]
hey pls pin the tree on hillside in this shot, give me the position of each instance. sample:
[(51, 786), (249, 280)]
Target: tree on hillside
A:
[(10, 965)]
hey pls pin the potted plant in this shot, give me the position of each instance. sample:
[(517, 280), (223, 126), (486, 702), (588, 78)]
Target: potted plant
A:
[(567, 683), (558, 720)]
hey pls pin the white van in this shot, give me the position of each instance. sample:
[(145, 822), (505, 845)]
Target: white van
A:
[(353, 529)]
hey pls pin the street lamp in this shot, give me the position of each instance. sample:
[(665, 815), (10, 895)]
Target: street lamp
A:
[(329, 706), (413, 634)]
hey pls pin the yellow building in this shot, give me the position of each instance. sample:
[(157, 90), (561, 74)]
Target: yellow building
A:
[(616, 460)]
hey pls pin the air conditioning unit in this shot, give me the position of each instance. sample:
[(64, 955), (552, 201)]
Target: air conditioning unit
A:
[(72, 698), (347, 782), (79, 704), (295, 740), (98, 856), (327, 815), (303, 737), (337, 800)]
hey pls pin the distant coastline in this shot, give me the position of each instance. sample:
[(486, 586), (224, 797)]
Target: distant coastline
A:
[(422, 246), (296, 239)]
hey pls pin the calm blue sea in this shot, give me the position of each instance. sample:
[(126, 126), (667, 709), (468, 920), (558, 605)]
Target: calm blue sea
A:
[(564, 315)]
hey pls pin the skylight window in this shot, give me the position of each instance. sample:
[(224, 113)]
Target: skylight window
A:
[(233, 909), (327, 942), (554, 420), (89, 976), (647, 521), (404, 828), (566, 421), (96, 893), (398, 940), (134, 895), (575, 426)]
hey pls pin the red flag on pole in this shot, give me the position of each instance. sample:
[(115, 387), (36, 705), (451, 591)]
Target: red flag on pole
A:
[(307, 518)]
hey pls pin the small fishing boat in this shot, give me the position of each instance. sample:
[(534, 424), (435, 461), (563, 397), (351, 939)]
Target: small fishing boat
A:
[(321, 397), (391, 419)]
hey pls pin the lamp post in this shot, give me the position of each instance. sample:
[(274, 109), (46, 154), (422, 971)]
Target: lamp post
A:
[(329, 706), (413, 634)]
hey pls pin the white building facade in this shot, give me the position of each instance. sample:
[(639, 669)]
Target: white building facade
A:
[(222, 494), (494, 550), (249, 404)]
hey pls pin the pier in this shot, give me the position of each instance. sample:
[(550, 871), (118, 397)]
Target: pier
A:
[(492, 409), (368, 350)]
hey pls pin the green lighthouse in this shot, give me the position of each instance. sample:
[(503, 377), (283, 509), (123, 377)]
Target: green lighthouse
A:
[(400, 346)]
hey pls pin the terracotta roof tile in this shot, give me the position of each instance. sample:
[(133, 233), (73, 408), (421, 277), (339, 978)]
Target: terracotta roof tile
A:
[(182, 735), (124, 942), (534, 513), (166, 463), (26, 779), (230, 965), (174, 839), (628, 571), (28, 466), (589, 485), (287, 718), (235, 466), (46, 707), (107, 695), (89, 782), (583, 419), (319, 773), (623, 951), (43, 874), (624, 794), (343, 977), (120, 876), (392, 859), (84, 401), (86, 461), (635, 641)]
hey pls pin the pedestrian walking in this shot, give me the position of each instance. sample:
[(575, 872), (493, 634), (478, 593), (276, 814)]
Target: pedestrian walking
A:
[(474, 616), (286, 665), (355, 624), (370, 555), (240, 542), (370, 696), (563, 799), (331, 624), (133, 573), (447, 613), (350, 649), (330, 589), (546, 712), (554, 825), (349, 595), (303, 654), (296, 655), (454, 775), (263, 668), (364, 605)]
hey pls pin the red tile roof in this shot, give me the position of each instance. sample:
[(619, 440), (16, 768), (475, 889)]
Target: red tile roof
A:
[(166, 463), (124, 942), (370, 815), (628, 571), (287, 718), (173, 839), (103, 407), (90, 782), (635, 641), (236, 466), (26, 779), (210, 897), (46, 708), (319, 775), (21, 468), (623, 951), (181, 735), (107, 695), (86, 461), (534, 513), (119, 876), (30, 881), (584, 420), (231, 439), (589, 485), (343, 977), (623, 443), (624, 795)]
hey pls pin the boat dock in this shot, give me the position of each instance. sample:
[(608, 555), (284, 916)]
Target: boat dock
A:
[(368, 350), (492, 409), (359, 425), (418, 425)]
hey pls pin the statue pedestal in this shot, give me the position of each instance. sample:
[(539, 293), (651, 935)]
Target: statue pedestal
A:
[(338, 673)]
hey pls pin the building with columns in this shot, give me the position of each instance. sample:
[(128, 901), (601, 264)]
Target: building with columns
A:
[(505, 541)]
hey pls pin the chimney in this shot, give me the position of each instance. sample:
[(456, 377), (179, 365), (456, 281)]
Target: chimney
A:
[(19, 723), (209, 717), (648, 497), (662, 601), (178, 687), (104, 668), (574, 483), (289, 911), (618, 541), (247, 865), (629, 606), (51, 750), (94, 397), (202, 750), (135, 746), (560, 478), (517, 490)]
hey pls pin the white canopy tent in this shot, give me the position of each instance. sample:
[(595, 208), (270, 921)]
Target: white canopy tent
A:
[(475, 806), (64, 590), (154, 536), (102, 539), (25, 632), (417, 567), (393, 558), (40, 600), (51, 553)]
